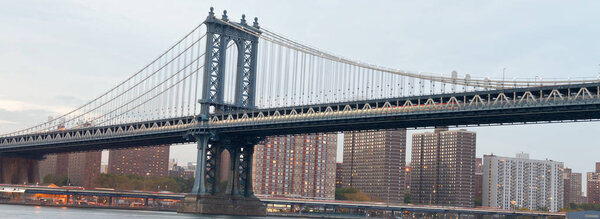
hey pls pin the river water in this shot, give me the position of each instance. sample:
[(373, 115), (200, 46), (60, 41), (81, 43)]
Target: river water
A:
[(35, 212)]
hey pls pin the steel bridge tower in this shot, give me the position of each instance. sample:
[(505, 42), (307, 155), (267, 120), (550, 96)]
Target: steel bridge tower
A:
[(207, 196), (245, 37)]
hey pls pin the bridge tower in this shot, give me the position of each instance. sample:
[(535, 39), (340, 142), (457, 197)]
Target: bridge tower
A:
[(220, 32), (208, 196)]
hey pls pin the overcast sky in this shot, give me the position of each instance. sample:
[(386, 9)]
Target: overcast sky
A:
[(55, 55)]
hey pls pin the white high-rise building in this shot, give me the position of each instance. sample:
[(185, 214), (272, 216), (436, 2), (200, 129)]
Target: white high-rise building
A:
[(513, 183)]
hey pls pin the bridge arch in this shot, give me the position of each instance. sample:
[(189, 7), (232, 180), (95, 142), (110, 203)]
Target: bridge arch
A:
[(231, 71), (224, 180)]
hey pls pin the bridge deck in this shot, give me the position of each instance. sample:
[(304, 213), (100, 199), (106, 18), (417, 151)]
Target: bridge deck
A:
[(523, 105)]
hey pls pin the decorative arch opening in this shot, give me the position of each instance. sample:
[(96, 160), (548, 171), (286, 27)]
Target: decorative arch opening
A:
[(224, 171), (231, 72)]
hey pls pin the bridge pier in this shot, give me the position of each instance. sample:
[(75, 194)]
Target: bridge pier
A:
[(18, 170), (238, 197)]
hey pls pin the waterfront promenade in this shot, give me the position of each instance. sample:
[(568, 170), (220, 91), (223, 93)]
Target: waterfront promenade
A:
[(76, 197)]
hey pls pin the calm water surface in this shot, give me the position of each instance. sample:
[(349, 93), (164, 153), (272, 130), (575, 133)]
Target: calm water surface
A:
[(34, 212)]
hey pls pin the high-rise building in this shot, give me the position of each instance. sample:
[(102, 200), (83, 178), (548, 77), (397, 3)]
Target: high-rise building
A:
[(54, 164), (572, 187), (47, 166), (301, 166), (443, 167), (191, 167), (374, 163), (593, 185), (407, 177), (338, 175), (143, 161), (84, 168), (62, 164), (593, 188), (513, 183), (566, 186), (478, 183), (479, 165), (576, 186)]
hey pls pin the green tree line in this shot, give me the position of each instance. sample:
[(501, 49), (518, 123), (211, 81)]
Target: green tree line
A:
[(582, 207), (350, 194), (133, 182)]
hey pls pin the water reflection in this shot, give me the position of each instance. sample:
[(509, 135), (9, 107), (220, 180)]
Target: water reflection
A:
[(35, 212)]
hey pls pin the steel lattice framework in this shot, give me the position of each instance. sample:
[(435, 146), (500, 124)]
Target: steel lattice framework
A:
[(219, 33), (552, 100)]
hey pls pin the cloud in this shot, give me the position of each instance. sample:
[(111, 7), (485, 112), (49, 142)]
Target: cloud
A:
[(16, 106), (7, 122)]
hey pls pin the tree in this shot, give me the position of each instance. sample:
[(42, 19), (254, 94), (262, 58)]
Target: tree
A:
[(582, 207), (154, 183), (351, 194), (407, 196), (61, 180)]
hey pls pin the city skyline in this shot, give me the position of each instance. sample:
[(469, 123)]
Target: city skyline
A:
[(523, 48)]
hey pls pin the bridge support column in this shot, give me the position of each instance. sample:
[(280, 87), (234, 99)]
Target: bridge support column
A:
[(18, 170), (200, 176), (238, 198)]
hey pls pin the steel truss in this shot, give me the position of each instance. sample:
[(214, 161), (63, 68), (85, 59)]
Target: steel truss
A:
[(498, 101), (471, 101)]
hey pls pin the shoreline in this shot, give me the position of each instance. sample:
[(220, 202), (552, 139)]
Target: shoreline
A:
[(89, 206), (305, 215)]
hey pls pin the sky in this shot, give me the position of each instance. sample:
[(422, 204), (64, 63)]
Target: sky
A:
[(56, 55)]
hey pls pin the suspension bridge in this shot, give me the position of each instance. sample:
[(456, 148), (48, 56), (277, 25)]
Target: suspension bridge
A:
[(226, 85)]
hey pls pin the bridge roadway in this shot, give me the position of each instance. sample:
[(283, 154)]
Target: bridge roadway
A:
[(564, 103)]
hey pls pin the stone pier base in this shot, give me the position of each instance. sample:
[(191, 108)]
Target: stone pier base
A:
[(16, 170), (223, 205)]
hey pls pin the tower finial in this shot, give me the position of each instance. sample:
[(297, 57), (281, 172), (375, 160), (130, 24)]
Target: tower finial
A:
[(243, 21), (211, 13), (225, 16), (255, 23)]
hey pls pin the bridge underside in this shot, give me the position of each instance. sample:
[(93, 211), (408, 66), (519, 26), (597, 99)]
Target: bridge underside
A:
[(483, 116), (115, 142)]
